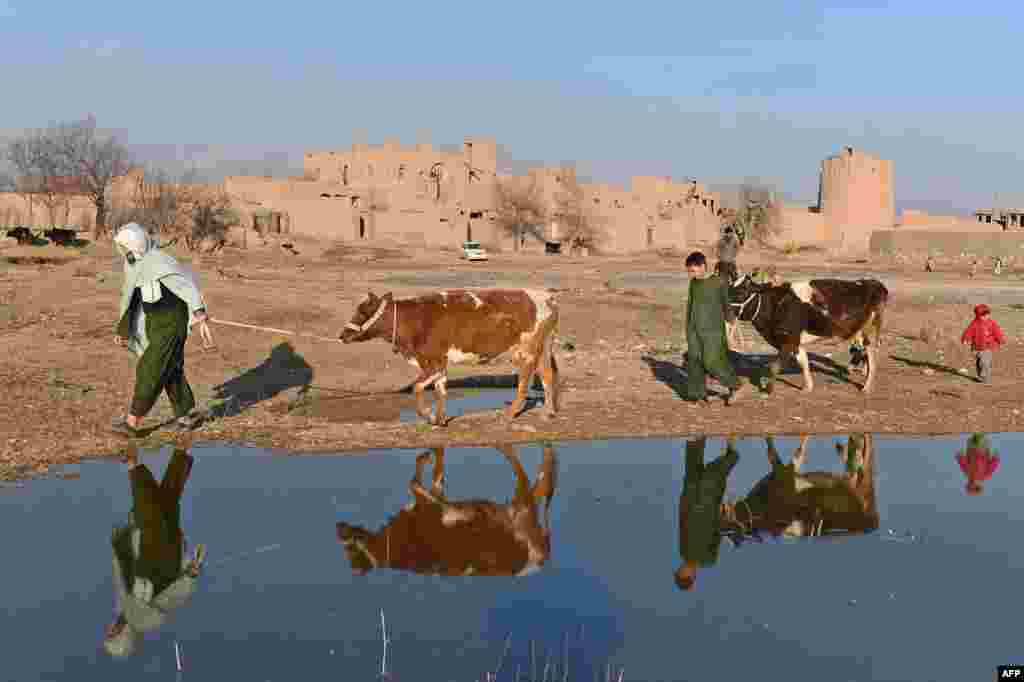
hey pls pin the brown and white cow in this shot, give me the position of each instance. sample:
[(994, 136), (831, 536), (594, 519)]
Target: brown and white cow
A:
[(792, 315), (455, 326), (437, 536)]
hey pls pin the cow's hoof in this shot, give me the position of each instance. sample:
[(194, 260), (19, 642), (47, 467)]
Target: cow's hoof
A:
[(548, 416), (807, 389), (510, 414)]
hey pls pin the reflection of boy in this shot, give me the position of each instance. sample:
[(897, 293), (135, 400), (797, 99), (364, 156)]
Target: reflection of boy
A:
[(700, 509)]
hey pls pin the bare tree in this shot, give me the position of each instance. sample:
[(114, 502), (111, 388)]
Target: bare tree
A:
[(520, 208), (580, 226), (157, 202), (752, 218), (177, 209), (95, 159), (212, 217), (43, 174), (7, 217)]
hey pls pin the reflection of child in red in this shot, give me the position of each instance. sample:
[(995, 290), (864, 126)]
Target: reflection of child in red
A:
[(978, 462)]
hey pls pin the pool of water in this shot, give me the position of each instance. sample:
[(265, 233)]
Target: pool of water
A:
[(925, 590)]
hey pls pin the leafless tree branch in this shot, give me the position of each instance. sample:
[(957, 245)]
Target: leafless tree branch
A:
[(95, 159), (581, 226), (520, 208)]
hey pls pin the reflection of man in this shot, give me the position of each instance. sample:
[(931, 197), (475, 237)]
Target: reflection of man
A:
[(152, 575), (700, 509)]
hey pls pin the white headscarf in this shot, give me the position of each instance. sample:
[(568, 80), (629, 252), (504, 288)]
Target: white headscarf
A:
[(151, 265), (133, 239)]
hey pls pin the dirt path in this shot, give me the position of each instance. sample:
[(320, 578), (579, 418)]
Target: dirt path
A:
[(620, 341)]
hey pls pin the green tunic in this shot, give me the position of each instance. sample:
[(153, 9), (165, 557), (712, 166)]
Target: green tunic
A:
[(707, 349), (700, 505), (162, 364), (158, 299)]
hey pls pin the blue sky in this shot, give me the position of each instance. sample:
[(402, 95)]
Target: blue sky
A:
[(720, 91)]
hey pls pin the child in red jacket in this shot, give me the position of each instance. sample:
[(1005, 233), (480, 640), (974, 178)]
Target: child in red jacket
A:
[(984, 335)]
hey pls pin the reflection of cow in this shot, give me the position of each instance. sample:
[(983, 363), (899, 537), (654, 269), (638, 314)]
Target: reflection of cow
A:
[(787, 502), (798, 313), (437, 536)]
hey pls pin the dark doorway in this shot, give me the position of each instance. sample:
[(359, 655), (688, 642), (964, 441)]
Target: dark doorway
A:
[(362, 227), (469, 231)]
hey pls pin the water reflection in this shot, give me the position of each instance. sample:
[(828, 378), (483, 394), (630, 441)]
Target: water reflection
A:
[(437, 536), (785, 503), (978, 462), (700, 508), (790, 503), (152, 572)]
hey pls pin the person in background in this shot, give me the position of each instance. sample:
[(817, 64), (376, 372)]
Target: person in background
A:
[(978, 462), (984, 335), (700, 508), (152, 574), (160, 302), (728, 250)]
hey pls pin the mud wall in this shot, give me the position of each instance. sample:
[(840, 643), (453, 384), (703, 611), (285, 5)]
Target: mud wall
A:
[(907, 242)]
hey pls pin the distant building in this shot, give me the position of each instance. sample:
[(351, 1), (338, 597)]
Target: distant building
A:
[(1008, 218)]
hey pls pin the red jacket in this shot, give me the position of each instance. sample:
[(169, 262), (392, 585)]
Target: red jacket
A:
[(983, 333), (978, 465)]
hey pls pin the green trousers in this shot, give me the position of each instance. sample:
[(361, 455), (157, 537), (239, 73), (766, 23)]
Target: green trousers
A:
[(162, 365), (707, 353)]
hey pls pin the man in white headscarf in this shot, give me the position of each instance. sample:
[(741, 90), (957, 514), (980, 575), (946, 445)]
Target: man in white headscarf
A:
[(153, 575), (160, 302)]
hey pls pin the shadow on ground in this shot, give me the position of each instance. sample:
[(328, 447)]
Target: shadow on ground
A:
[(283, 370), (752, 366), (924, 364)]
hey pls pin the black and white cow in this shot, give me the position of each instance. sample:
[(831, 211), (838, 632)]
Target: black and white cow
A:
[(792, 315)]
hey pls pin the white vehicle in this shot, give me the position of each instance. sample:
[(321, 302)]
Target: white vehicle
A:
[(473, 251)]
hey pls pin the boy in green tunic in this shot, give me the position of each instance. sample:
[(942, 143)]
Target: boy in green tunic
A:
[(707, 349), (160, 302), (700, 509), (152, 572)]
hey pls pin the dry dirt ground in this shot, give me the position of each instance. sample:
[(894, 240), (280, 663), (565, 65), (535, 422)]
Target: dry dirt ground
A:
[(620, 343)]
